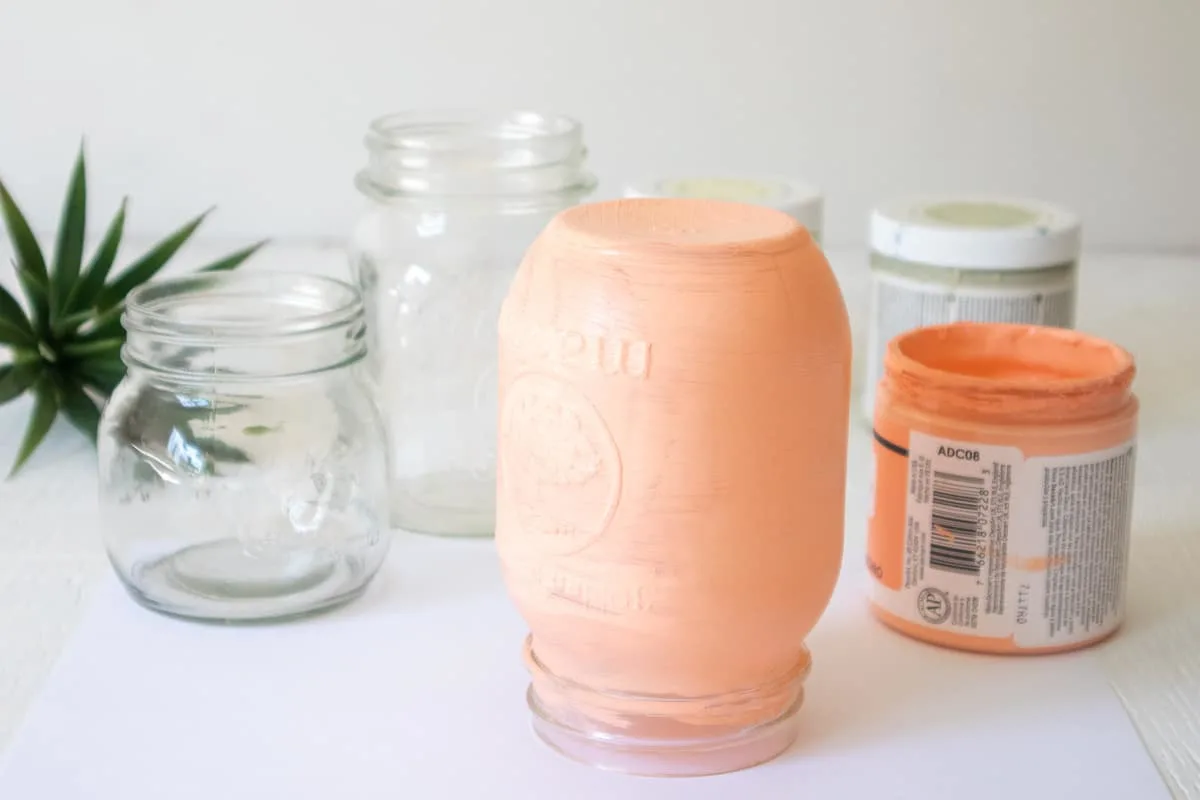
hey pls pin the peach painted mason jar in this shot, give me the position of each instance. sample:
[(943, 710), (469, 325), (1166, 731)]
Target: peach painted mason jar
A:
[(674, 394)]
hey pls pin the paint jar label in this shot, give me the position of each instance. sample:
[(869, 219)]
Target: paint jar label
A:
[(900, 304), (997, 545)]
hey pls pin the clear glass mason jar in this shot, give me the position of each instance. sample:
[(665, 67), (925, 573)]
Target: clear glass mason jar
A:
[(454, 200), (242, 466)]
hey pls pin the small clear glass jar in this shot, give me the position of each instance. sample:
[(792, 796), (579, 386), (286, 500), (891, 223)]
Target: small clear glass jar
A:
[(454, 200), (242, 466)]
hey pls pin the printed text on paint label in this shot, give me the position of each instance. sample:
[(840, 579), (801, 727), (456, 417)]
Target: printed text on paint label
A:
[(999, 545)]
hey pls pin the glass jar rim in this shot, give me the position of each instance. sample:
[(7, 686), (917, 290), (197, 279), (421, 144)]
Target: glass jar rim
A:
[(403, 129), (308, 304), (518, 159), (1007, 372)]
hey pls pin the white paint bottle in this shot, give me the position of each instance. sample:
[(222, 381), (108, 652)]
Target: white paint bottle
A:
[(941, 259)]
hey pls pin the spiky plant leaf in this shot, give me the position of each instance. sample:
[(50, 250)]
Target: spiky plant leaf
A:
[(66, 349), (13, 336), (30, 264), (101, 375), (68, 253), (29, 255), (45, 409), (99, 347), (101, 326), (16, 378), (13, 316), (83, 294), (80, 408), (233, 259), (221, 451), (147, 266)]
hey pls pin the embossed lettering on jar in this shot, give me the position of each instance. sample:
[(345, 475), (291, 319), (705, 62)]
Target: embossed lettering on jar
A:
[(242, 469), (674, 402), (454, 201)]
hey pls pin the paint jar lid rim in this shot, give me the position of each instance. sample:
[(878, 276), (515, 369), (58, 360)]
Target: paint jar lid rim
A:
[(1006, 372), (802, 201), (976, 232)]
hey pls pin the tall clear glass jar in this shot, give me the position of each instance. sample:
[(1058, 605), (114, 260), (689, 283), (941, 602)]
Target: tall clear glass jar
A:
[(454, 200), (242, 466)]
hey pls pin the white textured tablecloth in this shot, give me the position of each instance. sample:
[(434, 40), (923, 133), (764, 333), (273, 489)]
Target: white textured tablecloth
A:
[(50, 555)]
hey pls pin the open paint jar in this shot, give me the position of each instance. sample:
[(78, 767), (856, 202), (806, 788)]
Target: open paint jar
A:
[(936, 260), (1004, 459)]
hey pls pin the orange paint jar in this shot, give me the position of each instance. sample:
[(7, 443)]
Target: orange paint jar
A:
[(1004, 459), (674, 393)]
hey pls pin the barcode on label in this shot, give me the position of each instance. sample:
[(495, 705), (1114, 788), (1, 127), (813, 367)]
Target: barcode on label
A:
[(955, 524)]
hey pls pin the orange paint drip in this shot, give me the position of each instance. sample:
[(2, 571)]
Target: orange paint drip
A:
[(1004, 458)]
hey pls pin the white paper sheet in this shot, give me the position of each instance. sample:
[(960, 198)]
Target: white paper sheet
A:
[(416, 691)]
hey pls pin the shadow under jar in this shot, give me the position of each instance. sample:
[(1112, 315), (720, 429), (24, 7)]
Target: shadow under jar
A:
[(455, 199), (242, 466)]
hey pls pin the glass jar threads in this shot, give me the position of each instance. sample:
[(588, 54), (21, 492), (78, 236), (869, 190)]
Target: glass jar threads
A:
[(936, 260), (454, 201), (242, 465)]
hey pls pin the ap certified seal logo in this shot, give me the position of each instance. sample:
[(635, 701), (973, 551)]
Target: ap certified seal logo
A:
[(934, 606)]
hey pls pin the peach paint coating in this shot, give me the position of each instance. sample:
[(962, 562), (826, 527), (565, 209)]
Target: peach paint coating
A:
[(674, 392), (1047, 391)]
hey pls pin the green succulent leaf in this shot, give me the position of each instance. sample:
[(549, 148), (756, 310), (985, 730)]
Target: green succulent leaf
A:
[(101, 326), (68, 252), (66, 325), (88, 349), (221, 451), (12, 336), (67, 337), (102, 375), (15, 379), (79, 408), (30, 264), (29, 255), (233, 259), (147, 266), (13, 316), (39, 301), (45, 409), (84, 294)]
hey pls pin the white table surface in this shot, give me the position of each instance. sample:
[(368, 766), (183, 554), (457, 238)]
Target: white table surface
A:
[(51, 563)]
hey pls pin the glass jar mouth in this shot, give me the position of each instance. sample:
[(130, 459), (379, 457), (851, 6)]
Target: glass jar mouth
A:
[(232, 307), (458, 130), (518, 155)]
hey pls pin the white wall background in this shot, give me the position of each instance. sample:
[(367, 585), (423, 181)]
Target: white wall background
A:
[(259, 105)]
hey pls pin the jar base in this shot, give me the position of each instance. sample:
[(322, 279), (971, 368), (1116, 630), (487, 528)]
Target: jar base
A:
[(994, 646), (668, 758), (197, 583), (646, 738)]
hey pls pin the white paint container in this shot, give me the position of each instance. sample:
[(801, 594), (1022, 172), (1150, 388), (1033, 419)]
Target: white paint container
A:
[(802, 202), (936, 260)]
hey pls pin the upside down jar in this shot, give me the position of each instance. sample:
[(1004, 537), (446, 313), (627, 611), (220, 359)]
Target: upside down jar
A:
[(674, 405)]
